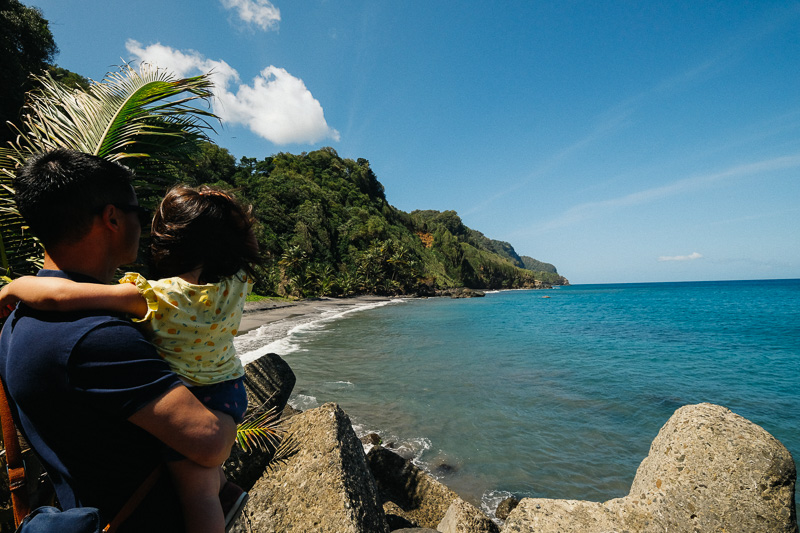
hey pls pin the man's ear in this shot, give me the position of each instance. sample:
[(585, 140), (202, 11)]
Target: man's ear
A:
[(110, 217)]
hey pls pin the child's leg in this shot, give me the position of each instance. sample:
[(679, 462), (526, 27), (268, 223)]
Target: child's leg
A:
[(198, 490), (199, 487)]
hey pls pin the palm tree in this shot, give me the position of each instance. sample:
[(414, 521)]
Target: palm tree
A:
[(147, 119)]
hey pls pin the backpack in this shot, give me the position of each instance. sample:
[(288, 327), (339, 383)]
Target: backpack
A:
[(48, 519)]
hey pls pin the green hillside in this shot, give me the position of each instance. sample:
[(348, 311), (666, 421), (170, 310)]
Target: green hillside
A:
[(328, 229)]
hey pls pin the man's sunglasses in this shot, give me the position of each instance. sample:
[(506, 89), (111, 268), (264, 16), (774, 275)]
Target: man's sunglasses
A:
[(145, 217)]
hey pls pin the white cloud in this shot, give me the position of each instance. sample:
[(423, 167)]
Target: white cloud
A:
[(276, 106), (259, 12), (690, 257)]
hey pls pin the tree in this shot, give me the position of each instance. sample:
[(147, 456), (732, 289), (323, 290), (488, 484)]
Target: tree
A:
[(68, 78), (147, 119), (211, 165), (26, 47)]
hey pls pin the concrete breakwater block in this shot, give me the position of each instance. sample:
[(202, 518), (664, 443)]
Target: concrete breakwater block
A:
[(324, 486), (708, 470)]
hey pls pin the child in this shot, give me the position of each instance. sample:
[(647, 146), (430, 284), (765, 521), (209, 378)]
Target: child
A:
[(204, 249)]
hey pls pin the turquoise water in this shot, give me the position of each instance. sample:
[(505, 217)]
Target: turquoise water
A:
[(557, 393)]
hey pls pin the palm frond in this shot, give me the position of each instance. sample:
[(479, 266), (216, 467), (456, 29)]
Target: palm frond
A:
[(20, 251), (262, 429), (147, 118), (129, 115)]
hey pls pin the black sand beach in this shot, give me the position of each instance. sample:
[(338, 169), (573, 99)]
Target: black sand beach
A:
[(256, 314)]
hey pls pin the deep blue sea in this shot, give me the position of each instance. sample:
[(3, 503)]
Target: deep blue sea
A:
[(549, 393)]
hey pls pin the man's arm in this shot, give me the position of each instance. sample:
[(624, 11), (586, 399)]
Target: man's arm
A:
[(58, 294), (179, 420)]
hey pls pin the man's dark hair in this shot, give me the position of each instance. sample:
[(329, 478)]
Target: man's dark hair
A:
[(58, 193)]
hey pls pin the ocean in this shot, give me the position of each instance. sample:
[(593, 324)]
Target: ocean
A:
[(547, 393)]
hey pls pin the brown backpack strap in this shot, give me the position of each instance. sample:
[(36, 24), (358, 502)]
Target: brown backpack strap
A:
[(16, 465), (135, 499), (16, 473)]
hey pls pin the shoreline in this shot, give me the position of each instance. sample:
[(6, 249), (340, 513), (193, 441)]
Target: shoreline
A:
[(257, 314)]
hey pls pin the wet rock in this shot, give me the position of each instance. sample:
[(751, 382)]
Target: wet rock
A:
[(372, 439), (414, 495), (325, 486), (461, 292), (708, 470), (505, 507), (444, 469), (463, 517)]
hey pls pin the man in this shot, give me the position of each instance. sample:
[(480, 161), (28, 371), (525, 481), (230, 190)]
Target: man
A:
[(91, 395)]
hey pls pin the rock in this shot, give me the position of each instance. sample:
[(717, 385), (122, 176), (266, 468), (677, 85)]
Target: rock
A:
[(444, 468), (564, 516), (370, 441), (461, 292), (267, 380), (505, 507), (414, 530), (325, 486), (463, 517), (397, 517), (371, 438), (414, 495), (708, 470)]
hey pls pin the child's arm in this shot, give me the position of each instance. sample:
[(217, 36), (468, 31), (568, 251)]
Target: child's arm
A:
[(59, 294)]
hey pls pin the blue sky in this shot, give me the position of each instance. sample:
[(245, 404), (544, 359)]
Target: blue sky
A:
[(620, 141)]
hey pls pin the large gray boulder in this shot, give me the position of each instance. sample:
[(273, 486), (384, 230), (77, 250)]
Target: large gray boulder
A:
[(708, 470), (325, 486)]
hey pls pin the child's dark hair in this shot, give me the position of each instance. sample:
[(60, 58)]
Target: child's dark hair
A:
[(202, 226)]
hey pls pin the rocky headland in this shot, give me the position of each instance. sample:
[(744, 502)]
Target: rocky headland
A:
[(708, 469)]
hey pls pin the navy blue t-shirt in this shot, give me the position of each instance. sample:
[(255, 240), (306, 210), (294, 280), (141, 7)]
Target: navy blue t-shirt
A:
[(74, 380)]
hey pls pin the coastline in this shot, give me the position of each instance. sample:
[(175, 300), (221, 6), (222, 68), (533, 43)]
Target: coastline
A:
[(257, 314)]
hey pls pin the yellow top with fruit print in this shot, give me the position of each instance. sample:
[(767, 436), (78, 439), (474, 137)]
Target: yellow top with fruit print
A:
[(193, 325)]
